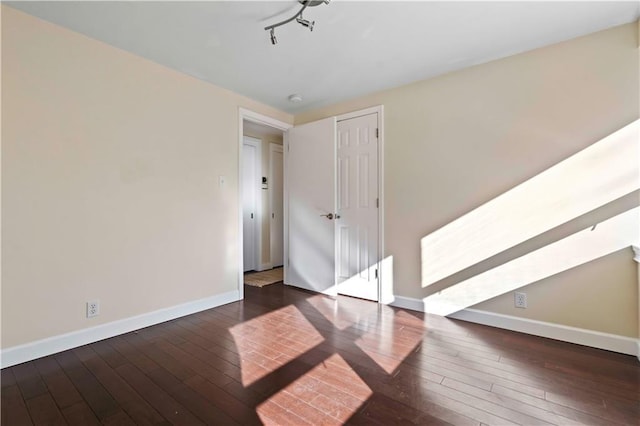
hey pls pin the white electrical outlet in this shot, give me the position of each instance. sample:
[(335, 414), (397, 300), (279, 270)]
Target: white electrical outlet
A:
[(520, 300), (93, 308)]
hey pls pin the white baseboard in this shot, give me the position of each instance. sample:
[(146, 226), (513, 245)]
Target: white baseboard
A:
[(595, 339), (264, 267), (29, 351), (408, 303)]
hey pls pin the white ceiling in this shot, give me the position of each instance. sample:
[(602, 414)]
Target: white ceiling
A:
[(357, 47)]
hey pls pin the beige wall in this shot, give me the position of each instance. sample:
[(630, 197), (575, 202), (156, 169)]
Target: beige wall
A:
[(266, 139), (110, 168), (454, 142)]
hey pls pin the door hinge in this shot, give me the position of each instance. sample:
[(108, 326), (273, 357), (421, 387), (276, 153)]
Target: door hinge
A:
[(377, 203), (273, 215), (251, 215), (377, 132), (376, 273)]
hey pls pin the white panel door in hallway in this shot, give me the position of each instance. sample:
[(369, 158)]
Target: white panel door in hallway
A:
[(250, 185), (356, 224), (276, 184)]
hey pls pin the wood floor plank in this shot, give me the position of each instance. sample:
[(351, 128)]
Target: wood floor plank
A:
[(136, 408), (7, 378), (58, 384), (386, 411), (96, 396), (223, 401), (112, 357), (13, 409), (44, 411), (80, 414), (570, 413), (157, 397), (198, 405), (29, 381), (121, 419)]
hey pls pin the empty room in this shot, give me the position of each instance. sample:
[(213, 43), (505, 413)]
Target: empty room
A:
[(315, 212)]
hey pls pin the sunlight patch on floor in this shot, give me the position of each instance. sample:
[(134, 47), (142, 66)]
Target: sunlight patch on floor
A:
[(329, 394), (270, 341), (343, 312), (396, 336)]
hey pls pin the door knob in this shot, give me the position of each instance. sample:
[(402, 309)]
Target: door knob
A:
[(328, 215)]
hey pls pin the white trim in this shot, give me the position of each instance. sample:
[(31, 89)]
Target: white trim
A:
[(285, 212), (407, 303), (265, 266), (359, 113), (379, 110), (636, 257), (29, 351), (246, 114), (580, 336)]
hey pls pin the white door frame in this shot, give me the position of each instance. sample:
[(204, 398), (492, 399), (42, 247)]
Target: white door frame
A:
[(385, 278), (257, 224), (245, 114)]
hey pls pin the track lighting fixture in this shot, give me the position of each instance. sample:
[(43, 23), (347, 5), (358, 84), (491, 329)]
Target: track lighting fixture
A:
[(298, 17), (305, 23)]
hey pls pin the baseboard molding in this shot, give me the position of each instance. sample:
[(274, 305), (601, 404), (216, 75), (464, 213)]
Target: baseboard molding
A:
[(265, 267), (408, 303), (580, 336), (595, 339), (27, 352)]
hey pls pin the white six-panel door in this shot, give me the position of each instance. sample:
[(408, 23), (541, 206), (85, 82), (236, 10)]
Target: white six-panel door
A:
[(357, 207)]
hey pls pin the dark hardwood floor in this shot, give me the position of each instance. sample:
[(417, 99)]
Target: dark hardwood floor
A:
[(289, 357)]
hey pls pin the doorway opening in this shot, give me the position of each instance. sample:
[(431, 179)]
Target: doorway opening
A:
[(261, 184)]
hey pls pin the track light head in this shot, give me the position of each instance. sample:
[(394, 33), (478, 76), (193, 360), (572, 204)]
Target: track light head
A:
[(297, 17), (306, 23), (313, 3)]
